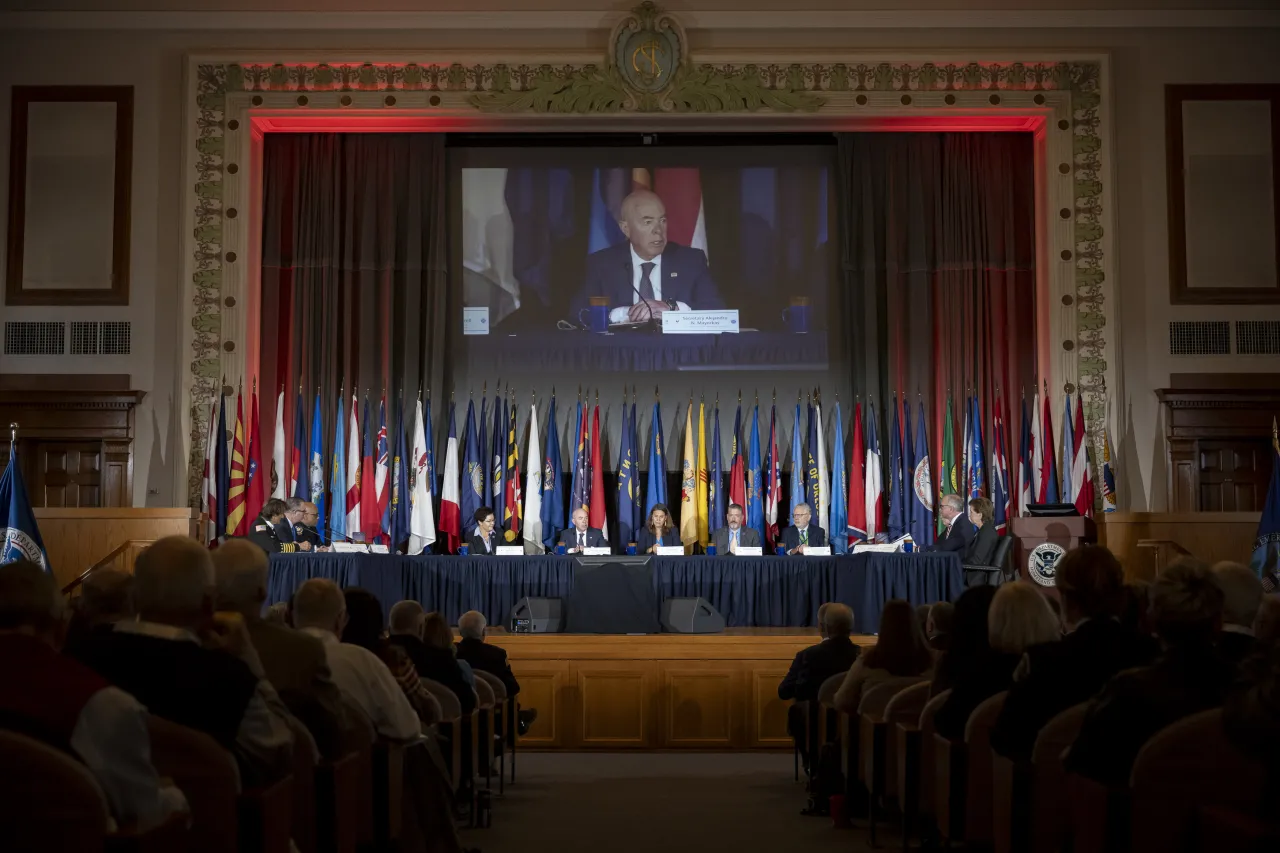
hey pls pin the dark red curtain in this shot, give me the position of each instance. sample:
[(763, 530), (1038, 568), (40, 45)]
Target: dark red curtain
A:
[(938, 265), (354, 270)]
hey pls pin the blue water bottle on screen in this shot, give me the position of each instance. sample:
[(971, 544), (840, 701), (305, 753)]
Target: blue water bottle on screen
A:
[(464, 550), (711, 549)]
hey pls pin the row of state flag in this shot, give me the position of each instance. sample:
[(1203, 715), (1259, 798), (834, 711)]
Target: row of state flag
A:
[(384, 489)]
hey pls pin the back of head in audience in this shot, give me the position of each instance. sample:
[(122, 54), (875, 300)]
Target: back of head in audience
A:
[(406, 618), (471, 625), (173, 582), (1186, 604), (364, 619), (1020, 617), (822, 611), (436, 633), (922, 614), (970, 631), (319, 603), (240, 569), (941, 618), (837, 620), (106, 596), (901, 647), (30, 602), (1135, 606), (1242, 594), (1089, 581)]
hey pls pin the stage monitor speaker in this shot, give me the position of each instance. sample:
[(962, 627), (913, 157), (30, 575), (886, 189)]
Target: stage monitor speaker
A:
[(537, 616), (690, 616)]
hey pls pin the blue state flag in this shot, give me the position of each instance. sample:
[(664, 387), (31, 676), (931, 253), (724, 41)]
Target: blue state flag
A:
[(656, 488), (1266, 548), (628, 483), (977, 479), (581, 495), (755, 499), (17, 522), (338, 479), (715, 485), (637, 511), (839, 491), (608, 188), (398, 506), (498, 461), (552, 492), (897, 493), (474, 476), (922, 525), (482, 444), (315, 467), (797, 463), (812, 483), (909, 503), (1068, 450), (575, 478)]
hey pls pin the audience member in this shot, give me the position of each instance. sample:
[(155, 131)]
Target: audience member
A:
[(57, 700), (982, 548), (431, 651), (814, 665), (1135, 607), (320, 609), (1054, 676), (938, 625), (193, 666), (1266, 627), (1242, 597), (365, 629), (922, 615), (1189, 676), (970, 637), (1019, 617), (106, 597), (293, 662), (491, 659), (900, 651)]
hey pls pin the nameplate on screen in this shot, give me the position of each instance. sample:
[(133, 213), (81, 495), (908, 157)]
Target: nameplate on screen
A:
[(350, 548), (749, 551), (670, 551), (475, 321), (597, 551), (815, 551), (699, 322), (510, 551), (379, 549), (883, 548)]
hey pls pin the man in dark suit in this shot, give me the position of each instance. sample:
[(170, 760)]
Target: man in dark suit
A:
[(648, 275), (960, 530), (1242, 594), (264, 531), (581, 535), (491, 659), (802, 533), (299, 524), (733, 535), (1054, 676), (406, 623), (1189, 676), (814, 665)]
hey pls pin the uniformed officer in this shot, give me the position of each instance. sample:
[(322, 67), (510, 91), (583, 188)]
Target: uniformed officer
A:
[(263, 530), (299, 524)]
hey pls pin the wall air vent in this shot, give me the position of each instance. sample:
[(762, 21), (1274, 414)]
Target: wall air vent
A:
[(91, 337), (1258, 337), (1199, 337), (34, 337)]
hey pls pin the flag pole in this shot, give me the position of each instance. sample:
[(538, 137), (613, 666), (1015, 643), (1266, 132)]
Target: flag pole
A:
[(13, 434)]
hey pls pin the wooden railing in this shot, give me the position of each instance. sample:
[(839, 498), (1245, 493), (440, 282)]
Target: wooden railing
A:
[(120, 552)]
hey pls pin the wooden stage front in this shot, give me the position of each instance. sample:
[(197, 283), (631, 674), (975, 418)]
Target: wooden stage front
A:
[(656, 691)]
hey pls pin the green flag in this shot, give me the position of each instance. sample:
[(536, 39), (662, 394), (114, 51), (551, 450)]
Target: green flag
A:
[(947, 476)]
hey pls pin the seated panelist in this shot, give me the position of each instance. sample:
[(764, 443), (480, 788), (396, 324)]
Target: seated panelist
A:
[(656, 531), (581, 535), (485, 538), (265, 530), (648, 275), (733, 535), (803, 532)]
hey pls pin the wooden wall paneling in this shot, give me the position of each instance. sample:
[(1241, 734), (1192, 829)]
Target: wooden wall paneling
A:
[(766, 714), (1184, 476), (117, 473), (703, 704), (1211, 536), (76, 538), (545, 685), (615, 703)]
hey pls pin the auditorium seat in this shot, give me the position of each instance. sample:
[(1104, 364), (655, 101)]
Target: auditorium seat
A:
[(1187, 765), (1097, 815), (305, 758), (338, 803), (53, 804), (388, 793), (977, 737), (504, 709), (1027, 807), (207, 775), (1221, 829), (925, 767), (482, 731), (905, 706), (450, 726), (871, 741)]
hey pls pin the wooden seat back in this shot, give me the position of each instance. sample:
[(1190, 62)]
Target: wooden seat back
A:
[(978, 828), (305, 758), (871, 730), (338, 803), (1047, 824), (266, 818), (450, 707), (484, 693), (904, 706), (207, 775), (495, 684), (48, 800), (388, 793), (928, 748)]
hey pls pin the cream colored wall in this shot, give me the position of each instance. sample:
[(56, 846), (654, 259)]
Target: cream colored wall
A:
[(1142, 62)]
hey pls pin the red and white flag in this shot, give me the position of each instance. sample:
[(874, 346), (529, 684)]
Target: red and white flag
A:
[(450, 499), (857, 523), (596, 511), (353, 472), (277, 452), (1081, 479), (1039, 482)]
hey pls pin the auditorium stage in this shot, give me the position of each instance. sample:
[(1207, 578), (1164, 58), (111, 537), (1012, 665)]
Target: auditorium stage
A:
[(658, 691)]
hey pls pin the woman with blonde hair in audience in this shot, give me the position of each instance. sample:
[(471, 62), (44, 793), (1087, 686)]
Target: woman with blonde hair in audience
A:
[(901, 650), (1019, 617)]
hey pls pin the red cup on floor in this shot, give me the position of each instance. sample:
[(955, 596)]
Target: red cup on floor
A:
[(839, 819)]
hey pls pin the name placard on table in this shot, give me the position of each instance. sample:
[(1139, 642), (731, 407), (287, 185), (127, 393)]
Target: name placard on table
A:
[(749, 551), (597, 551), (699, 322), (510, 551), (817, 551), (670, 551)]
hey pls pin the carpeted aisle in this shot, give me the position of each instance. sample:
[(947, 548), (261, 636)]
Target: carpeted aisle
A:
[(659, 803)]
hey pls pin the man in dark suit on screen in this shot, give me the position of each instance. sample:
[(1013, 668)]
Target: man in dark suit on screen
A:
[(649, 275), (960, 530), (581, 535)]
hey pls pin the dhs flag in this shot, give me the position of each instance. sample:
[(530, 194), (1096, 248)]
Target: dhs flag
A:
[(17, 523)]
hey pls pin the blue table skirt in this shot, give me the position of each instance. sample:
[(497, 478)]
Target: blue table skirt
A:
[(748, 591)]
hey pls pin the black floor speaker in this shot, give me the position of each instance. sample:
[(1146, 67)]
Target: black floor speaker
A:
[(690, 616), (537, 616)]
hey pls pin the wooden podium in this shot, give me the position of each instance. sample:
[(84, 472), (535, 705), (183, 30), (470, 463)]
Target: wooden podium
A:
[(1057, 535)]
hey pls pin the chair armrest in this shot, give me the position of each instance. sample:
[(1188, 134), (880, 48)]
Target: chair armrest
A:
[(169, 836), (266, 818)]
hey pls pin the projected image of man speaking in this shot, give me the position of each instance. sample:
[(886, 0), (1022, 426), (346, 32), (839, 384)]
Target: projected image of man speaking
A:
[(648, 274)]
